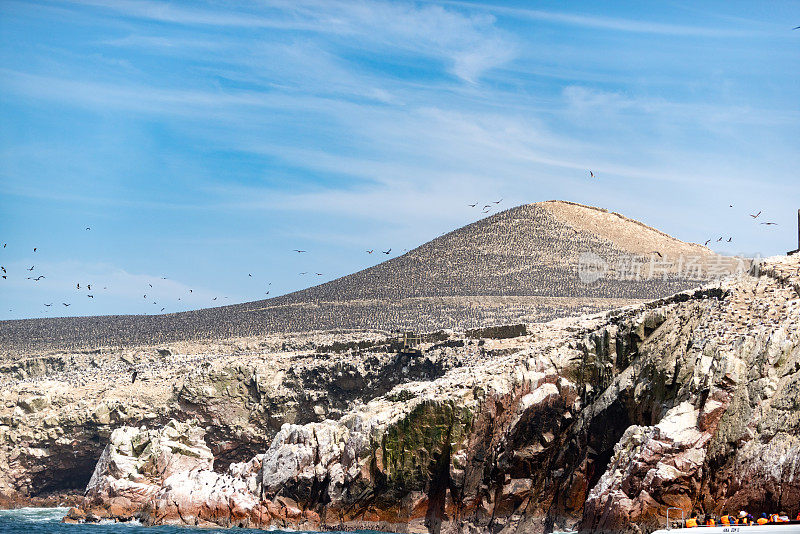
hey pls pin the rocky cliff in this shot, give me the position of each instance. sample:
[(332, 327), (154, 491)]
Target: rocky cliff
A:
[(598, 422)]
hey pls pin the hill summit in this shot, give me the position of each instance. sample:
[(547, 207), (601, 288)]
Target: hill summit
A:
[(531, 263)]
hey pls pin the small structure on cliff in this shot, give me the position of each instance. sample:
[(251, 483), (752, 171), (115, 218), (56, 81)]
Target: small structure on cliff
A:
[(411, 342), (798, 236)]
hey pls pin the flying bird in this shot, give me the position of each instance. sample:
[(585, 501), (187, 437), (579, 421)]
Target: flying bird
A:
[(32, 266), (77, 286), (215, 298), (756, 215), (267, 293), (48, 305), (65, 304), (299, 251), (729, 239), (151, 285), (591, 174), (659, 254), (34, 249), (720, 239), (770, 223), (304, 272), (4, 245), (162, 309), (38, 278), (386, 251), (144, 296), (250, 275), (190, 291), (89, 287), (4, 269), (473, 205), (498, 202), (318, 274), (370, 251), (88, 228), (90, 296), (5, 277)]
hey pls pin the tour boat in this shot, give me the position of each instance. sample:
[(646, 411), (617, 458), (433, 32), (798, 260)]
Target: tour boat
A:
[(791, 527)]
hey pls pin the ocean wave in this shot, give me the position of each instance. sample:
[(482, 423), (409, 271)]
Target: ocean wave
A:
[(131, 523), (35, 515)]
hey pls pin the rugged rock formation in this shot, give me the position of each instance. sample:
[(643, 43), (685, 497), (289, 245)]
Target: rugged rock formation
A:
[(599, 422), (57, 413)]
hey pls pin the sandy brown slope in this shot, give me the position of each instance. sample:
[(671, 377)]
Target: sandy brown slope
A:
[(519, 265)]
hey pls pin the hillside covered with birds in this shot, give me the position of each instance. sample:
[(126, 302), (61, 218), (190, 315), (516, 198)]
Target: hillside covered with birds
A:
[(530, 263)]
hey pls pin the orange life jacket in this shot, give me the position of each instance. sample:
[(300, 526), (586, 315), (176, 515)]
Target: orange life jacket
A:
[(762, 521), (711, 522), (691, 522), (774, 518), (727, 520)]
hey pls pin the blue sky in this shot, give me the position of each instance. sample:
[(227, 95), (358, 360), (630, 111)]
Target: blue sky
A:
[(203, 142)]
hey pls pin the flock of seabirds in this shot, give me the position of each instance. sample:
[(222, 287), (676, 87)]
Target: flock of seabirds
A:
[(485, 209)]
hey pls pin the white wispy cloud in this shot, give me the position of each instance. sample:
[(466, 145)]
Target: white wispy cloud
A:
[(171, 13), (469, 43), (582, 100), (607, 23)]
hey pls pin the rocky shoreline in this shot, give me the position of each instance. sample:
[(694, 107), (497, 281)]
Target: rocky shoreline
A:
[(598, 423), (59, 499)]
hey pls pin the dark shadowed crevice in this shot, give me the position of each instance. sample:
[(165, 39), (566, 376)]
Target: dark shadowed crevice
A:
[(75, 477), (604, 432), (440, 482)]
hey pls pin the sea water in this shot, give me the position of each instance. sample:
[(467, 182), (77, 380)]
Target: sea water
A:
[(48, 521)]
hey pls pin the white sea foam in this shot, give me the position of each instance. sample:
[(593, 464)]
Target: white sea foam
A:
[(35, 515)]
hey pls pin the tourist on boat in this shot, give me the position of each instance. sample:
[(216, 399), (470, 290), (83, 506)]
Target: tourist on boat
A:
[(710, 521), (743, 518), (774, 518), (762, 520), (784, 517), (692, 521), (727, 520)]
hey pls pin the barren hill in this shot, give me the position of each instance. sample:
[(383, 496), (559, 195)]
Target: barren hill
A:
[(525, 264)]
